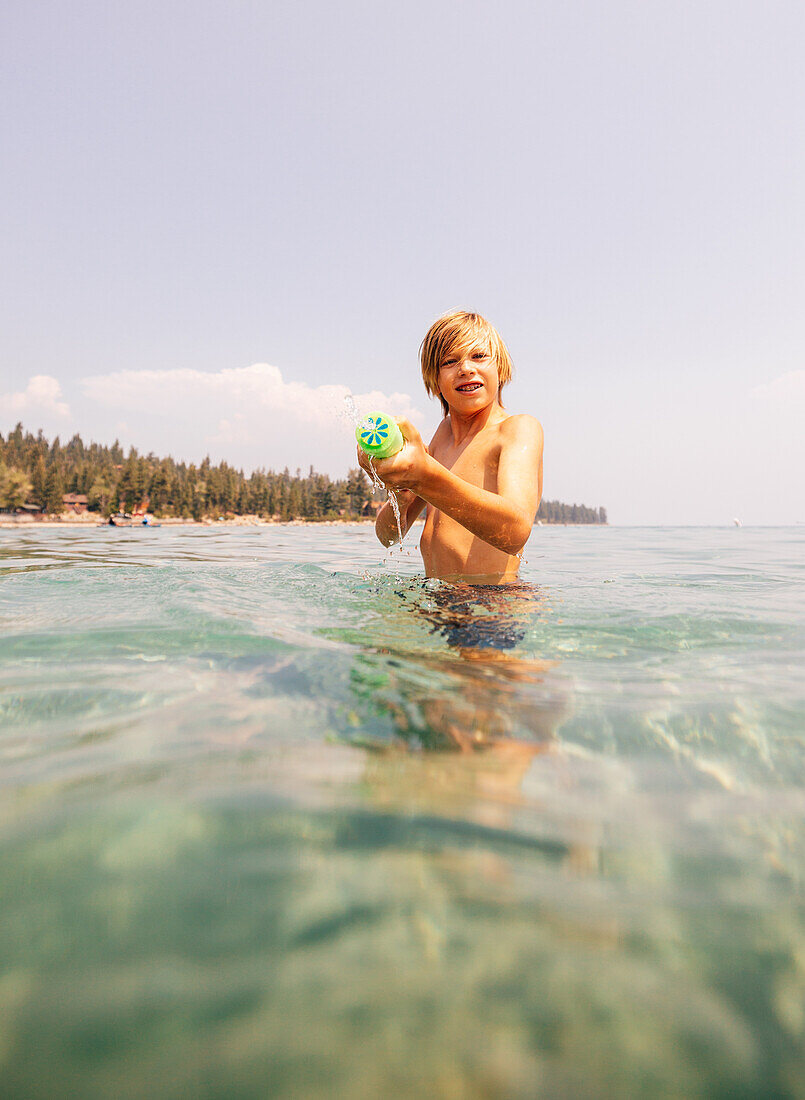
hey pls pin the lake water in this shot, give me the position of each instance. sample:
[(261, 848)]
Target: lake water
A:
[(278, 819)]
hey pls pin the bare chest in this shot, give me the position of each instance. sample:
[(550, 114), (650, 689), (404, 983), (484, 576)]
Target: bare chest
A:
[(475, 462)]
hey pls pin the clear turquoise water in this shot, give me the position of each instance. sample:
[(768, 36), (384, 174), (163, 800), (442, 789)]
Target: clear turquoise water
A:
[(242, 857)]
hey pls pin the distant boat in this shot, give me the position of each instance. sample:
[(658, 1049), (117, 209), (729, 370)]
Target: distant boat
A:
[(125, 519), (737, 523)]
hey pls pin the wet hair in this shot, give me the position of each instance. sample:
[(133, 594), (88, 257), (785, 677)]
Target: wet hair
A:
[(457, 332)]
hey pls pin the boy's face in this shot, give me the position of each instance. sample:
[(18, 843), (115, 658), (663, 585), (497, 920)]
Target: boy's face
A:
[(468, 377)]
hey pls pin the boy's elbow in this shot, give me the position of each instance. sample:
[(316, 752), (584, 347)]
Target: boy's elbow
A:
[(384, 536), (516, 536), (515, 546)]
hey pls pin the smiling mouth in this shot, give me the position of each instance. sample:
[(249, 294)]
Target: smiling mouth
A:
[(469, 387)]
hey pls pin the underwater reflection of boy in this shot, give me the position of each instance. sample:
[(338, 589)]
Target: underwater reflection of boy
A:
[(480, 477)]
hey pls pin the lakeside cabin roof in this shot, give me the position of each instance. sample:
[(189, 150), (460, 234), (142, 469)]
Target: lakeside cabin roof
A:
[(75, 498)]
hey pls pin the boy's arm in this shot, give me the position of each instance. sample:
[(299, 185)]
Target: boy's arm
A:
[(386, 524), (503, 519)]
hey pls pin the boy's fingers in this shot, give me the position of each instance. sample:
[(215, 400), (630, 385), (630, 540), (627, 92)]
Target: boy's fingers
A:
[(409, 432)]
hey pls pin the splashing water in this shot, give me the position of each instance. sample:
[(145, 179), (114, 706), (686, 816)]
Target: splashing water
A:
[(393, 501), (351, 410)]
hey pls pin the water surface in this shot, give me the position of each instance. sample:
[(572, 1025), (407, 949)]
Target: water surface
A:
[(266, 832)]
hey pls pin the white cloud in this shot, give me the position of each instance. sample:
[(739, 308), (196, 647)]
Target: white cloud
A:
[(41, 397), (788, 387), (230, 431), (249, 416), (240, 388)]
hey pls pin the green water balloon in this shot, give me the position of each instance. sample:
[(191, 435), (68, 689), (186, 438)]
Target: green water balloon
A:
[(379, 435)]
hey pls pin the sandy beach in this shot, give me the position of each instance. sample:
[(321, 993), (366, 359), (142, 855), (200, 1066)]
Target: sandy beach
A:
[(236, 521)]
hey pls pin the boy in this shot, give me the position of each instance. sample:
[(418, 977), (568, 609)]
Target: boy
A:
[(480, 478)]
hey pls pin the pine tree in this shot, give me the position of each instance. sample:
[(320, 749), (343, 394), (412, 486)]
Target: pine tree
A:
[(54, 490), (38, 479), (100, 495), (159, 489)]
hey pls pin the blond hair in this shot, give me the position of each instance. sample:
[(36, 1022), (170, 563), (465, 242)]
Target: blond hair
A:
[(454, 333)]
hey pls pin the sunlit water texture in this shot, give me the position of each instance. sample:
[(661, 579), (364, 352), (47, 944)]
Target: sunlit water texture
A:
[(270, 827)]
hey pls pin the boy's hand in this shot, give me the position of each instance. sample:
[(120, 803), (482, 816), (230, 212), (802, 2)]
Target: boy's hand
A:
[(405, 469)]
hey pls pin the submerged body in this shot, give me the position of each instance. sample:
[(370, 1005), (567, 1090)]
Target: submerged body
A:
[(480, 478)]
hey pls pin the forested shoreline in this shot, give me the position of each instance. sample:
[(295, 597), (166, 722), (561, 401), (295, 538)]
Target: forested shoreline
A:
[(36, 475)]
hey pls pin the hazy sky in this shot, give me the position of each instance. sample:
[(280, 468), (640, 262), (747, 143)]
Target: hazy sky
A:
[(217, 218)]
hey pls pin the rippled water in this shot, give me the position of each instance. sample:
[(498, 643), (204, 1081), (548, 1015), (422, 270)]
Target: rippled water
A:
[(270, 828)]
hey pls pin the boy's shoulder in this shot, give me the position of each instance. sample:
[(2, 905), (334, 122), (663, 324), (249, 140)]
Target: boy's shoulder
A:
[(520, 426), (516, 427)]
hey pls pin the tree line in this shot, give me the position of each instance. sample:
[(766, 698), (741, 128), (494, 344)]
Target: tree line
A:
[(37, 473), (554, 511)]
